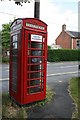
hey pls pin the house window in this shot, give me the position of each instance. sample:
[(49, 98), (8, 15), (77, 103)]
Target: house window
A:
[(78, 43)]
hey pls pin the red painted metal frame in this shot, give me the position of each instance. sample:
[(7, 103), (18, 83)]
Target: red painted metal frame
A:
[(22, 96)]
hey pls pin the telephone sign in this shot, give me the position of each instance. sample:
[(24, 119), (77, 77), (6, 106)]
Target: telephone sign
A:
[(36, 38), (28, 65), (35, 26)]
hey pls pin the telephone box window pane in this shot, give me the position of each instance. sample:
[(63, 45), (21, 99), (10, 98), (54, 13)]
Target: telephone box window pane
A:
[(14, 87), (14, 80), (36, 52), (14, 38), (36, 60), (14, 74), (14, 66), (36, 45), (14, 51), (14, 59), (35, 75), (14, 54), (34, 82), (34, 90), (15, 45), (28, 44), (35, 67)]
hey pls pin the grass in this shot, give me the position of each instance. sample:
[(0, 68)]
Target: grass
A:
[(74, 88), (11, 110)]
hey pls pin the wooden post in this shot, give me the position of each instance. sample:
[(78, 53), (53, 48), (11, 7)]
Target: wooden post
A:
[(37, 9)]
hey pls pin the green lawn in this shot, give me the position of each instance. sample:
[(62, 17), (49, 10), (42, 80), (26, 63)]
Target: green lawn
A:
[(75, 93)]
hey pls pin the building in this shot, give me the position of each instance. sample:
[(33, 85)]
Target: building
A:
[(53, 46), (68, 39)]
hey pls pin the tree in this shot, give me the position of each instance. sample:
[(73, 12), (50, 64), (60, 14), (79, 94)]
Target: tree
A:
[(49, 47), (5, 37), (19, 2), (0, 45)]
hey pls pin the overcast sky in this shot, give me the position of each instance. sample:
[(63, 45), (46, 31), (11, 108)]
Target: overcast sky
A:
[(54, 12)]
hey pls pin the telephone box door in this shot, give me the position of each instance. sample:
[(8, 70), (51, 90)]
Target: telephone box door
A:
[(35, 68)]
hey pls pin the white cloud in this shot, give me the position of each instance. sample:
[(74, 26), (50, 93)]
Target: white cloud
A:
[(50, 13), (55, 17), (12, 10)]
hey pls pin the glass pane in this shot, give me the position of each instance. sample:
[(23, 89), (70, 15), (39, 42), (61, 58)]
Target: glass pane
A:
[(14, 81), (14, 74), (14, 78), (14, 59), (36, 52), (28, 44), (14, 67), (34, 82), (14, 87), (14, 54), (35, 67), (35, 75), (34, 90), (36, 45), (15, 45), (14, 51), (14, 38), (36, 60)]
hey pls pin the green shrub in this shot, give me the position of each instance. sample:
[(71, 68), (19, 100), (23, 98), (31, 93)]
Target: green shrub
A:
[(5, 59), (63, 55)]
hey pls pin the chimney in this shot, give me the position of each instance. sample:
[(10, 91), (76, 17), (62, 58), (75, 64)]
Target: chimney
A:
[(63, 27)]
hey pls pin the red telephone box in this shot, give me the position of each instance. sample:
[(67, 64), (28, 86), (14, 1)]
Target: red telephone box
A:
[(28, 60)]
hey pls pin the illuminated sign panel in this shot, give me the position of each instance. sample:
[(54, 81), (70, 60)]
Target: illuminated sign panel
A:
[(35, 26)]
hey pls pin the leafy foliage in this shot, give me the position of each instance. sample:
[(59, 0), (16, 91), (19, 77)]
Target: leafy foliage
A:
[(63, 55), (5, 38), (19, 2), (5, 35), (0, 44), (49, 47)]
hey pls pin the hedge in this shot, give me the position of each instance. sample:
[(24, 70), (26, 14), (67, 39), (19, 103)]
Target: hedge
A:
[(58, 55), (5, 59), (63, 55)]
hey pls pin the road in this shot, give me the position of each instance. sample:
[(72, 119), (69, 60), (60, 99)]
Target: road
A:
[(61, 105), (58, 75), (68, 69), (62, 68)]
